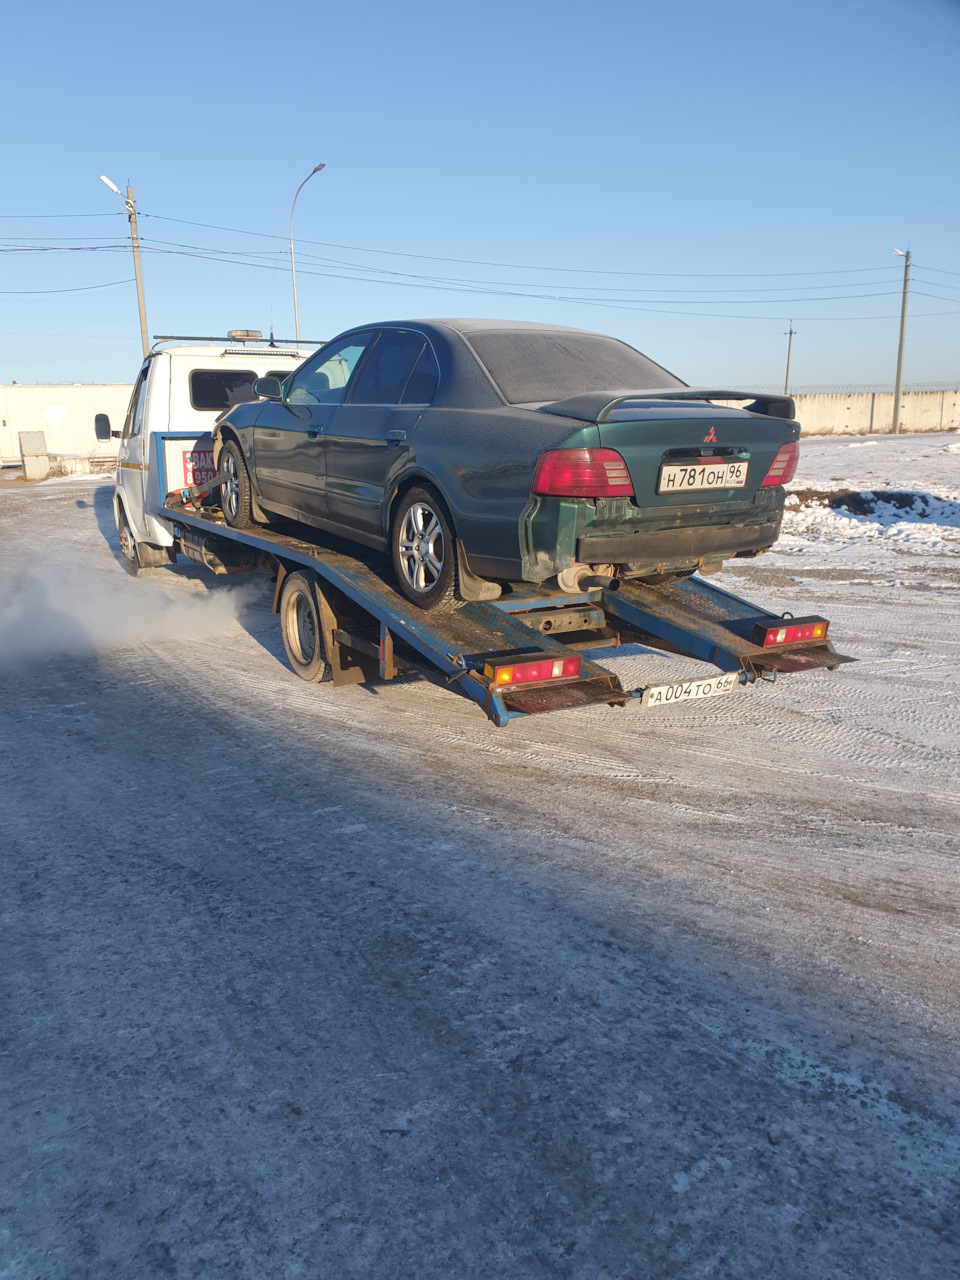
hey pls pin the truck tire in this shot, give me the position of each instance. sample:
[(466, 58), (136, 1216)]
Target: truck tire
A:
[(425, 550), (129, 548), (235, 493), (302, 632)]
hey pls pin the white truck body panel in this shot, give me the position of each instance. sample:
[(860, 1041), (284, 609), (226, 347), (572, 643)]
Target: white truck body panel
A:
[(149, 462)]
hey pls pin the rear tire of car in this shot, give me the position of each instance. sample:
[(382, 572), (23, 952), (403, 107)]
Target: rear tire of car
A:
[(235, 494), (302, 631), (424, 550), (129, 550)]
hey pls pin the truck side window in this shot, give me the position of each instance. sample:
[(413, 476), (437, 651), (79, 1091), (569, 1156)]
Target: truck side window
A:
[(133, 422)]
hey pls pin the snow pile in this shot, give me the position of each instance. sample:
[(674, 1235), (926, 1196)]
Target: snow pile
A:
[(860, 499)]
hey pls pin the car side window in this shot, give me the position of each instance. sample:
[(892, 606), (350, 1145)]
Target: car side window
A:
[(388, 367), (133, 422), (424, 380), (323, 380)]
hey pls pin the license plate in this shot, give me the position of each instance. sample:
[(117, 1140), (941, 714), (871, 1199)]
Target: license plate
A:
[(705, 473), (663, 695)]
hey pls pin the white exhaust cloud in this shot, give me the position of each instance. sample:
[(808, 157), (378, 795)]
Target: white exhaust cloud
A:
[(72, 608)]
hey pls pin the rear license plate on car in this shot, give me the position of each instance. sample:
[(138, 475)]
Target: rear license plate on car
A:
[(662, 695), (704, 473)]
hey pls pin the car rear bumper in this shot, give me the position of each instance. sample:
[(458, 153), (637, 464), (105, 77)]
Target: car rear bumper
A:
[(639, 549)]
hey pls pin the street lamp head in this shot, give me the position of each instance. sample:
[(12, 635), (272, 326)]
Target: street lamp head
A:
[(112, 185), (318, 167), (900, 253)]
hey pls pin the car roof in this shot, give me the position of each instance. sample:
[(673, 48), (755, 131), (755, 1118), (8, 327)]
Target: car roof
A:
[(477, 325)]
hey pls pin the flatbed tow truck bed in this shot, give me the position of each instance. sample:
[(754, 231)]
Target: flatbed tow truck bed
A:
[(370, 632)]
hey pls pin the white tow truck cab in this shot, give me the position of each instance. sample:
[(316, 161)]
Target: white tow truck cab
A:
[(182, 388)]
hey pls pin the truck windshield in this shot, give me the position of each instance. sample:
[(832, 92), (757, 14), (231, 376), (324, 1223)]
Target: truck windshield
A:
[(539, 367)]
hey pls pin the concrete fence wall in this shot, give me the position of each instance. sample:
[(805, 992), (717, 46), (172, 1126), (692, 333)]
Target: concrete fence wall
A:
[(860, 413), (64, 415)]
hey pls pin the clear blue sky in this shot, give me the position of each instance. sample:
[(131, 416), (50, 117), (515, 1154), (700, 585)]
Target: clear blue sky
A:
[(684, 169)]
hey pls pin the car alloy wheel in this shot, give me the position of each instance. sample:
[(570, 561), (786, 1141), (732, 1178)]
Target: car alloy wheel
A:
[(236, 498), (230, 490), (424, 550)]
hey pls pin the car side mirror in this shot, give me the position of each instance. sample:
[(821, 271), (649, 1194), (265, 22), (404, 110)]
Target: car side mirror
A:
[(268, 388), (101, 425)]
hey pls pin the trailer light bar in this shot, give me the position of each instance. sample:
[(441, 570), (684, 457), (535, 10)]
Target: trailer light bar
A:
[(534, 670), (790, 632)]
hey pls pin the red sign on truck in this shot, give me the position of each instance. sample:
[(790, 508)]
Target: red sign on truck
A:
[(198, 466)]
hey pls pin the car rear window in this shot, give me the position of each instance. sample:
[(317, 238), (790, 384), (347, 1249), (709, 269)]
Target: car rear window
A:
[(540, 367), (221, 388)]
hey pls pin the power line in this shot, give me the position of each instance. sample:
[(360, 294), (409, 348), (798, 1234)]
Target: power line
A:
[(83, 288), (28, 216), (519, 266)]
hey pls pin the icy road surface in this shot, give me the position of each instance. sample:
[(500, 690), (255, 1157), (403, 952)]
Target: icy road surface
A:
[(310, 984)]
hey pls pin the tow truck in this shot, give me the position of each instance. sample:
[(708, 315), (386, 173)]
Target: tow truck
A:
[(524, 653)]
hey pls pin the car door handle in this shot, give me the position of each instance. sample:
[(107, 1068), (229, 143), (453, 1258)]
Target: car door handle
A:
[(396, 438), (312, 433)]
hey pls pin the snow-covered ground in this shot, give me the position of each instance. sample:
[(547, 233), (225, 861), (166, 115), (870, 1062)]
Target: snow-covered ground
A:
[(299, 982)]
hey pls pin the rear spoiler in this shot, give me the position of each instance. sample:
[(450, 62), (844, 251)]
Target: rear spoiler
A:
[(604, 406)]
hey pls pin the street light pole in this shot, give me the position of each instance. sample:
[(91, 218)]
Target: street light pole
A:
[(786, 379), (130, 204), (293, 260), (903, 332)]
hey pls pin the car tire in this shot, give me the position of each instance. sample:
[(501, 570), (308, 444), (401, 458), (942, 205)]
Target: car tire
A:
[(235, 494), (425, 551), (302, 631), (129, 549)]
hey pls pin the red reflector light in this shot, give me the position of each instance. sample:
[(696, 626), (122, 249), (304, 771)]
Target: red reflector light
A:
[(790, 631), (784, 466), (534, 670), (583, 473)]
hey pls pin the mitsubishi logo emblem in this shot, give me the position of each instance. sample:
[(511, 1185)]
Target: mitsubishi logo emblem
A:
[(711, 438)]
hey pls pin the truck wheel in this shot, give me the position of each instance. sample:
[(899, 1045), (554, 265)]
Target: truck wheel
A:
[(302, 633), (235, 493), (425, 551), (129, 551)]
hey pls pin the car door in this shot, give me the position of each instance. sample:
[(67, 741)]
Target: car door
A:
[(132, 458), (288, 434), (369, 441)]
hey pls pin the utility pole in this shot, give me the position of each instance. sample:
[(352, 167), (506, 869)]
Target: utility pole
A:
[(903, 332), (786, 380), (293, 261), (130, 204)]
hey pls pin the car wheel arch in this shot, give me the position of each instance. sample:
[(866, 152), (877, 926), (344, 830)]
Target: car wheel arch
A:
[(221, 435), (411, 480)]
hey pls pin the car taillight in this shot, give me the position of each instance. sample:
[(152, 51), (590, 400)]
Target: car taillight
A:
[(783, 632), (784, 466), (545, 666), (583, 473)]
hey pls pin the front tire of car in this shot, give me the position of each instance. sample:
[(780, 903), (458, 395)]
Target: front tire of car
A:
[(425, 550), (235, 492)]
